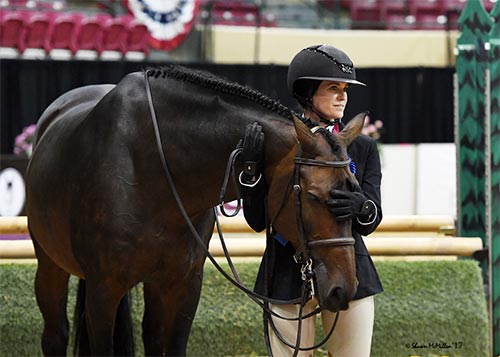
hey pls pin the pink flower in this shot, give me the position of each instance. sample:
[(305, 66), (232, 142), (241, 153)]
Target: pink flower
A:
[(30, 130), (23, 144), (372, 129)]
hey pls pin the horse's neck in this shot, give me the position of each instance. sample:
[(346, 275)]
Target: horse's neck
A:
[(199, 147)]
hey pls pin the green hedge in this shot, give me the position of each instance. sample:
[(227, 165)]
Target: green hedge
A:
[(434, 308)]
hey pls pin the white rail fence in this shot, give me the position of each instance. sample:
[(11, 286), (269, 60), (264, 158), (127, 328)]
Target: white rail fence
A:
[(396, 236)]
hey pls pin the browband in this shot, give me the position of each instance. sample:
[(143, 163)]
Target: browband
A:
[(313, 162)]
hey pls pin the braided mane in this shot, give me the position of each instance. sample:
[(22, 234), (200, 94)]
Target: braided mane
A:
[(211, 81), (208, 80)]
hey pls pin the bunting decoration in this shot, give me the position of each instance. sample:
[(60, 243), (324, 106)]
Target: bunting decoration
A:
[(169, 22)]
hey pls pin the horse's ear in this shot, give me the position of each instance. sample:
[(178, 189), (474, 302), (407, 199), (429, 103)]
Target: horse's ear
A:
[(305, 136), (352, 129)]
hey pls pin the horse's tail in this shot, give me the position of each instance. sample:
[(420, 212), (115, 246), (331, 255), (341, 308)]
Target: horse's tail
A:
[(123, 339)]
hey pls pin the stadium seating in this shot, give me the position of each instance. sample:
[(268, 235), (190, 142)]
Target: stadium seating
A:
[(60, 41), (114, 39), (137, 40), (36, 34), (366, 14), (429, 14), (89, 38), (396, 15), (37, 27), (234, 13), (12, 29)]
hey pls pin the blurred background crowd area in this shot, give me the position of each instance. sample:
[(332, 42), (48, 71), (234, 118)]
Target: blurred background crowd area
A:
[(315, 14), (20, 18)]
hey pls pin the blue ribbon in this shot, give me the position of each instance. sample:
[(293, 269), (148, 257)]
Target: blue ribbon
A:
[(280, 239)]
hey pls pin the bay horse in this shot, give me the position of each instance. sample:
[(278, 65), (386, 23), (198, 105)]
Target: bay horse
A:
[(99, 206)]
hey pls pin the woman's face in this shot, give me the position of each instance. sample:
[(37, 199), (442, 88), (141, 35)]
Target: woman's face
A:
[(330, 99)]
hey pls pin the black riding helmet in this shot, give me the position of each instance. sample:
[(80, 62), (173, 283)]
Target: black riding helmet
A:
[(315, 64)]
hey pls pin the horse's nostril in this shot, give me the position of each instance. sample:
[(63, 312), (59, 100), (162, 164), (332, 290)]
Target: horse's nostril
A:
[(337, 293), (339, 296)]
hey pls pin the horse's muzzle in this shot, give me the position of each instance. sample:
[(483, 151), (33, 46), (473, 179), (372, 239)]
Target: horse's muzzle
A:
[(334, 292)]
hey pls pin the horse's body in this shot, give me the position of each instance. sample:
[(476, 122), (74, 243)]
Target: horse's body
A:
[(100, 208)]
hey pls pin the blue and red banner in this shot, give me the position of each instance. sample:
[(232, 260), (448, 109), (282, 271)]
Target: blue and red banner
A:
[(169, 22)]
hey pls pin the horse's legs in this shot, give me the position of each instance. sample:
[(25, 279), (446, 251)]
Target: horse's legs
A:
[(152, 322), (184, 316), (170, 305), (168, 317), (101, 302), (51, 290)]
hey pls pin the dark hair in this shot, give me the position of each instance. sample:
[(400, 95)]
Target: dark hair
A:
[(304, 90)]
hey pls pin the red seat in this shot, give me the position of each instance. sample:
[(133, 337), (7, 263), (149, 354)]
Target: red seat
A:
[(63, 31), (366, 14), (395, 8), (37, 29), (115, 34), (396, 15), (429, 14), (12, 29), (89, 37), (138, 37)]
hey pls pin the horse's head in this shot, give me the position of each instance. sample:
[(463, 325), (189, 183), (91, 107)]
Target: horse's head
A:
[(298, 193)]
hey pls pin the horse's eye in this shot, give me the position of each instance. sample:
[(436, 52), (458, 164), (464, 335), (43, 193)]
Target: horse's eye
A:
[(313, 197)]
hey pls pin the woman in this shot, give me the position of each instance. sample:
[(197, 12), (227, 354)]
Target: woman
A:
[(318, 78)]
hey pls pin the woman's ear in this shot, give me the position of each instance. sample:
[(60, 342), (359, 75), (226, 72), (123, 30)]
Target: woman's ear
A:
[(352, 129)]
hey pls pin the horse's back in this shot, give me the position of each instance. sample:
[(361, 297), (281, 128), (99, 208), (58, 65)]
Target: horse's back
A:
[(76, 102)]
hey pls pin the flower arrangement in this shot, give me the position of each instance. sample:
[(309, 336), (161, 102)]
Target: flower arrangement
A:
[(23, 144), (374, 129)]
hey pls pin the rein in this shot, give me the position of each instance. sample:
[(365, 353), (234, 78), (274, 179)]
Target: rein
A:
[(302, 255), (185, 215)]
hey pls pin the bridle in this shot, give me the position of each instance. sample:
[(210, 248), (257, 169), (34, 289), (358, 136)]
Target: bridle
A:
[(302, 255), (303, 252)]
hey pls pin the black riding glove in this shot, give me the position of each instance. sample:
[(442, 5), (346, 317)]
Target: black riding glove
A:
[(349, 205), (252, 154)]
